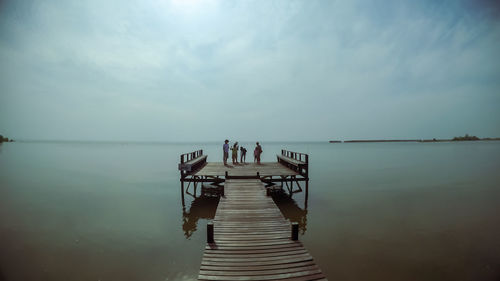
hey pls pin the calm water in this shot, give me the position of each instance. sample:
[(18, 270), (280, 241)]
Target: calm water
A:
[(379, 211)]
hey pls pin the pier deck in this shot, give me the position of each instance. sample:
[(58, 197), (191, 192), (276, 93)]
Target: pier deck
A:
[(265, 169), (252, 239)]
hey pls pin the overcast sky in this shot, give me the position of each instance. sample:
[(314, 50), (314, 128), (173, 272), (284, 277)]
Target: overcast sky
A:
[(153, 70)]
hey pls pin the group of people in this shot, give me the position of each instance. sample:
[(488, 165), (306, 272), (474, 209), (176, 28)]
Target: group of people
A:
[(243, 153)]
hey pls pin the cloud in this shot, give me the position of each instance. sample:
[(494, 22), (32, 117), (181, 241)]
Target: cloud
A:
[(167, 70)]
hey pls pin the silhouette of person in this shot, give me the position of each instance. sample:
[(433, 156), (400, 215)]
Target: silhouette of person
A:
[(225, 149), (235, 153), (243, 154), (255, 155), (257, 152)]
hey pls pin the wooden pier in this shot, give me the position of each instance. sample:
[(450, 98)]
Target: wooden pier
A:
[(249, 238), (289, 171)]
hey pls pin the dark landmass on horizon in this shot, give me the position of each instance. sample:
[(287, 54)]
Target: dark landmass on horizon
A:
[(464, 138), (5, 139)]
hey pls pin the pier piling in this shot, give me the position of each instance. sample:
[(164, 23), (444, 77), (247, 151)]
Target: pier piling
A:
[(295, 231), (210, 233)]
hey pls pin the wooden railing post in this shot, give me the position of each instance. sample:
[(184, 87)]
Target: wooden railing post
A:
[(295, 231), (307, 166), (210, 232)]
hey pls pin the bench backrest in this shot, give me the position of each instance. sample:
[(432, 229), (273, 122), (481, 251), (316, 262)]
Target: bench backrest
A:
[(191, 155), (302, 157)]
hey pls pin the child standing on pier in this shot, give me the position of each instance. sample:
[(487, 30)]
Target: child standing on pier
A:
[(243, 154), (235, 153)]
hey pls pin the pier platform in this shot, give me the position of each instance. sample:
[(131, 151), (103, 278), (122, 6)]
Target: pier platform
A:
[(265, 169), (290, 167)]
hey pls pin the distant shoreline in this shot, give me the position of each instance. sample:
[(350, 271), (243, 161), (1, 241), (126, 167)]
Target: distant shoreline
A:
[(415, 140), (5, 139)]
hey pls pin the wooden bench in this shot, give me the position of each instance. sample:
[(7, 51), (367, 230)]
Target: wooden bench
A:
[(290, 161), (298, 162), (191, 162)]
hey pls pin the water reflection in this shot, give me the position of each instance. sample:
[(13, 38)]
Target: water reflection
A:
[(202, 207), (291, 210)]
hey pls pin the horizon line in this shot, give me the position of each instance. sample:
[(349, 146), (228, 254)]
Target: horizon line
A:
[(240, 141)]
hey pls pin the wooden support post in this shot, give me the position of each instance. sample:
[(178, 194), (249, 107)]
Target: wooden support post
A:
[(295, 231), (222, 193), (195, 184), (268, 191), (307, 194), (210, 232), (182, 193), (298, 184), (258, 175), (307, 167), (226, 174)]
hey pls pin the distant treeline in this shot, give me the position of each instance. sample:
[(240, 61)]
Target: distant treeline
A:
[(464, 138), (5, 139)]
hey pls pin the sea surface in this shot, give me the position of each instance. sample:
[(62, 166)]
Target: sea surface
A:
[(376, 211)]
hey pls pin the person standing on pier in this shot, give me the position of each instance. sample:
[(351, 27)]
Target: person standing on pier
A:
[(255, 155), (225, 149), (243, 154), (257, 152), (235, 153)]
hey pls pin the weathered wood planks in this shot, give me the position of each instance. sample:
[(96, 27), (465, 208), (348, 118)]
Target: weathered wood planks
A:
[(266, 169), (252, 239)]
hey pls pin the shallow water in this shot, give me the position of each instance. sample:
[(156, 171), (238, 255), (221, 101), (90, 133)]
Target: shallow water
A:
[(376, 211)]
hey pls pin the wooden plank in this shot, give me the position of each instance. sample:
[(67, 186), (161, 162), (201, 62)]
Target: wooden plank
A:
[(262, 277), (249, 254), (278, 246), (258, 272), (262, 267), (256, 263), (252, 250)]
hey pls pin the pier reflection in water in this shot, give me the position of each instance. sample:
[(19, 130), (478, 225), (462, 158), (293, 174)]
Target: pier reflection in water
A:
[(291, 210), (202, 207)]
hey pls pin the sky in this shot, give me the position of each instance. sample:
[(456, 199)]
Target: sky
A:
[(204, 70)]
